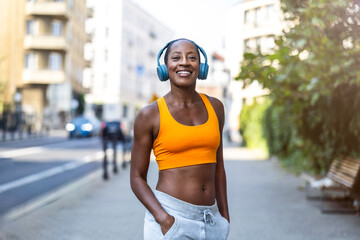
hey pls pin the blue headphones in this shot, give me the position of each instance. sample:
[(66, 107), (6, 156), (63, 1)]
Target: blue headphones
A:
[(162, 71)]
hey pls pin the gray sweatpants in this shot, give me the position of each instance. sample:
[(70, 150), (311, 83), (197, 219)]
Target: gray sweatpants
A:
[(191, 221)]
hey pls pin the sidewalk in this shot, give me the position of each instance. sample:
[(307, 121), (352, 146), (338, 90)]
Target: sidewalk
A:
[(265, 204)]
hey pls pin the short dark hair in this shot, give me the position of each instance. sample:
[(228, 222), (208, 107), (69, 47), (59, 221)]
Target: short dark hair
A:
[(168, 49)]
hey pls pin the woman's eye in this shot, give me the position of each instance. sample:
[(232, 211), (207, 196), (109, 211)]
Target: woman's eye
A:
[(175, 58)]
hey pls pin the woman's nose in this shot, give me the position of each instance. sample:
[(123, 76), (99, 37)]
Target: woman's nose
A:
[(184, 61)]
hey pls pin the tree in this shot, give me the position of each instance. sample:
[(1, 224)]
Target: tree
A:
[(313, 75), (81, 106)]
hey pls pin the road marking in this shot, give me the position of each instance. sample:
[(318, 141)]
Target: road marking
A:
[(50, 172), (43, 200), (21, 152), (33, 150)]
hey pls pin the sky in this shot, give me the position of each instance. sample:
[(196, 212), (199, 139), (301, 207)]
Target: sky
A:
[(202, 21)]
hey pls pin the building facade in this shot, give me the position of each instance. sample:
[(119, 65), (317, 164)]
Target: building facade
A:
[(126, 41), (42, 57), (251, 26), (217, 84)]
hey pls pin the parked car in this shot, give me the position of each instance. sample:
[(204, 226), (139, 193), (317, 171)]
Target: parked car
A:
[(82, 126)]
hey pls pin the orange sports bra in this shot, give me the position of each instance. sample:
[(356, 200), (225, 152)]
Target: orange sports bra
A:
[(179, 145)]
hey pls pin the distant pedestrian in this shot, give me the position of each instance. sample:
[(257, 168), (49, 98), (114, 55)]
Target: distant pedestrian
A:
[(111, 133), (184, 129)]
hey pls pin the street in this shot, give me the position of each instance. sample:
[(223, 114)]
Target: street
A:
[(266, 203), (35, 167)]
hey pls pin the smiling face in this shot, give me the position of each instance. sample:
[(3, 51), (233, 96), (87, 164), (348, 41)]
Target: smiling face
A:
[(183, 63)]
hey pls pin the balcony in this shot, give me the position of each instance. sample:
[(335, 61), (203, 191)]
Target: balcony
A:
[(89, 37), (58, 9), (45, 42), (89, 12), (88, 63), (43, 76)]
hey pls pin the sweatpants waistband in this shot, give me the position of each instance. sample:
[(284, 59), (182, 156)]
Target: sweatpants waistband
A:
[(183, 208)]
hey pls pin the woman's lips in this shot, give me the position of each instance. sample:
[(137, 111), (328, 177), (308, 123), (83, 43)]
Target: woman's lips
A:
[(183, 73)]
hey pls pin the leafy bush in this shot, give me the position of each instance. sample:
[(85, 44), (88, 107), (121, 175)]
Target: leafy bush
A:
[(313, 76), (252, 123)]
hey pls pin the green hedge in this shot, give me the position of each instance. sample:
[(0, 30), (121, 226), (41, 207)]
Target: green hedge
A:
[(283, 138), (252, 124), (313, 77)]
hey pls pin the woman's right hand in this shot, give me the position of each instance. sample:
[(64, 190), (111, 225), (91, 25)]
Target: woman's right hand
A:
[(167, 224)]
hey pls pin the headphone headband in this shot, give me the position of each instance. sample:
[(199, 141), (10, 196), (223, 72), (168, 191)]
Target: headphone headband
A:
[(162, 69), (171, 42)]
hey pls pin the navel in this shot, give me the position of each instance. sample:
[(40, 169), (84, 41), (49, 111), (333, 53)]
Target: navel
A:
[(204, 188)]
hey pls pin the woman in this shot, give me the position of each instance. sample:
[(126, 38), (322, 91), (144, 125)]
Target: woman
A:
[(184, 128)]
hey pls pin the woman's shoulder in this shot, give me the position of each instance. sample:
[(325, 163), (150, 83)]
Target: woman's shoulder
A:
[(218, 108), (149, 111), (215, 102)]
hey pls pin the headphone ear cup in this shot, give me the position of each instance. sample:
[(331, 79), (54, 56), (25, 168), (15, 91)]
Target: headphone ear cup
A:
[(203, 71), (162, 73)]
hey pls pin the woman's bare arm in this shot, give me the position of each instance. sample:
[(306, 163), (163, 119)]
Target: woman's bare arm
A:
[(140, 159), (220, 177)]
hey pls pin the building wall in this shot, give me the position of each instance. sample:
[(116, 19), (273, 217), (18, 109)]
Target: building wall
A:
[(218, 78), (27, 29), (217, 84), (124, 49), (248, 22), (106, 49), (11, 51), (251, 25), (76, 39), (143, 37)]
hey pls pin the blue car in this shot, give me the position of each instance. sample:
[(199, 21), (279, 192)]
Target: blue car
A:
[(83, 127)]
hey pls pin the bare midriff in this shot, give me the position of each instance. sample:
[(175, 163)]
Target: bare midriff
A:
[(192, 184)]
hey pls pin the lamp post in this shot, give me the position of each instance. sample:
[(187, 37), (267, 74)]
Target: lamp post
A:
[(18, 110)]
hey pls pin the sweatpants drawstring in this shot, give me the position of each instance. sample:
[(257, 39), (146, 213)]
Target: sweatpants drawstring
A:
[(209, 216)]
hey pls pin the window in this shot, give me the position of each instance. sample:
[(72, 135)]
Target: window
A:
[(270, 42), (270, 11), (30, 60), (30, 27), (258, 17), (247, 45), (252, 44), (55, 61), (106, 53), (105, 83), (152, 54), (125, 110), (130, 43), (246, 17), (258, 44), (152, 35), (68, 31), (56, 28), (70, 4)]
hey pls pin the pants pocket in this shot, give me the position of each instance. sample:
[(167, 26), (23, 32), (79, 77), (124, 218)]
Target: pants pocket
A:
[(152, 230), (224, 226), (172, 231)]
